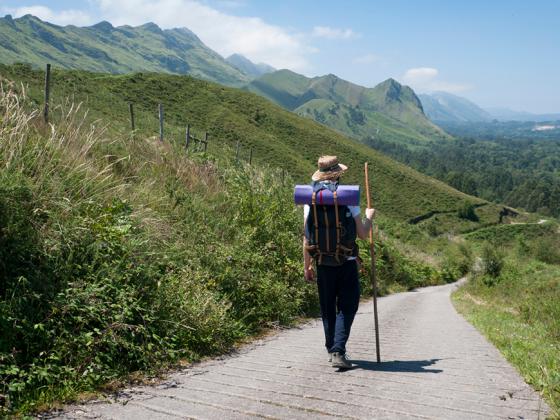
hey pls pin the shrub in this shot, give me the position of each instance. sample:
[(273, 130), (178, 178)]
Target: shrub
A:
[(394, 267), (458, 261), (547, 250), (492, 260), (467, 212)]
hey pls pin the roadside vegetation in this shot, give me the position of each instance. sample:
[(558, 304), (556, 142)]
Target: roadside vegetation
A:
[(512, 298)]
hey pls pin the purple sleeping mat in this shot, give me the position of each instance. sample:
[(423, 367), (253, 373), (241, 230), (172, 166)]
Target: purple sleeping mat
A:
[(348, 195)]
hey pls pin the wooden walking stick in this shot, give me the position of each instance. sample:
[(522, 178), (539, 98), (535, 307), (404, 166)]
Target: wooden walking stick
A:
[(373, 272)]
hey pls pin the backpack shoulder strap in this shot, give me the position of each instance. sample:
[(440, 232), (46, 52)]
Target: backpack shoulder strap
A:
[(337, 252), (316, 223)]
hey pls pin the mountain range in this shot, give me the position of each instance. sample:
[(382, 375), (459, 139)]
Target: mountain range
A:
[(443, 107), (105, 48), (389, 110)]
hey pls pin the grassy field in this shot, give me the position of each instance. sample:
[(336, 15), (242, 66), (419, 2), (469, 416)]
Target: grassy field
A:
[(516, 306)]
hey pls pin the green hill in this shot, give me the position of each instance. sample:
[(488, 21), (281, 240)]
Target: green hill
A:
[(278, 137), (104, 48), (388, 111)]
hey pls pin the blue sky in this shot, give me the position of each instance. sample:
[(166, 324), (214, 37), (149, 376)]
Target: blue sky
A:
[(496, 53)]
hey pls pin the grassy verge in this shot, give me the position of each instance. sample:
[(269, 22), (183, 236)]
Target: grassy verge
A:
[(517, 309)]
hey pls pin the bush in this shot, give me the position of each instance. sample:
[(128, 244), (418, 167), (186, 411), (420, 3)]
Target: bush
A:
[(492, 260), (394, 267), (467, 212), (458, 261), (547, 250)]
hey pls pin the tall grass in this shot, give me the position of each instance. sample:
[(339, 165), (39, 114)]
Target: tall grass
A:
[(513, 299), (119, 255)]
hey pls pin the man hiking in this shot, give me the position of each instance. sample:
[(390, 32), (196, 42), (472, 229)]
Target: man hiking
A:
[(330, 242)]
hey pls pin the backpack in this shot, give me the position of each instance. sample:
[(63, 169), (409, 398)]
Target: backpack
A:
[(330, 230)]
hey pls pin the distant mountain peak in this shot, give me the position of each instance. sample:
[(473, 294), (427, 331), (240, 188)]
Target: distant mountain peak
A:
[(237, 56), (393, 88), (391, 85), (103, 26), (390, 81), (246, 66), (152, 27), (9, 20), (187, 31), (29, 17), (396, 92)]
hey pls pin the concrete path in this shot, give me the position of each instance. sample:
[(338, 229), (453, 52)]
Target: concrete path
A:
[(434, 365)]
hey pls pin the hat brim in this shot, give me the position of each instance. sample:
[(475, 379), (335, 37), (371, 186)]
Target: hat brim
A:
[(323, 176)]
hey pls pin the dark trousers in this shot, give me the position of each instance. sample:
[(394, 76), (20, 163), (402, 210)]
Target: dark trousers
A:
[(339, 296)]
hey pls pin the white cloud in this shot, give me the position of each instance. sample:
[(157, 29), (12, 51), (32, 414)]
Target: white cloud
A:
[(333, 33), (227, 34), (420, 75), (232, 4), (426, 79), (65, 17), (366, 59)]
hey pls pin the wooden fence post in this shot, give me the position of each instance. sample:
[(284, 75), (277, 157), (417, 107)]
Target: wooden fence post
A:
[(251, 156), (131, 111), (237, 152), (187, 137), (160, 122), (47, 93)]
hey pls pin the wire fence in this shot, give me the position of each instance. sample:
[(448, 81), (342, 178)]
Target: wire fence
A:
[(192, 143)]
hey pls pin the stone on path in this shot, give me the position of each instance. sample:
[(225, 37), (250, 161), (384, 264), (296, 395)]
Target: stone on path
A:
[(435, 365)]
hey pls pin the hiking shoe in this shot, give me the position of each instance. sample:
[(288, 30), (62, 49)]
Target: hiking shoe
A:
[(330, 357), (340, 361)]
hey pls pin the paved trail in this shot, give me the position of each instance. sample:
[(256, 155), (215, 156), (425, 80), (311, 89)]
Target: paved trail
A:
[(434, 365)]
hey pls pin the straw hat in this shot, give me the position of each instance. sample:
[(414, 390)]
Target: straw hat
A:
[(329, 169)]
